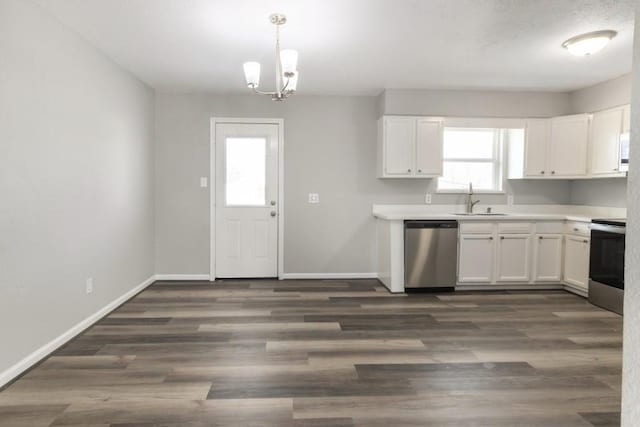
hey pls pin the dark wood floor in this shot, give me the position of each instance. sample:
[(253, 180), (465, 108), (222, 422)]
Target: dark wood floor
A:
[(330, 353)]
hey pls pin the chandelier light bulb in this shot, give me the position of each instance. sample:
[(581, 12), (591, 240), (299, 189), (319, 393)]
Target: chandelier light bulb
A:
[(289, 60), (252, 73)]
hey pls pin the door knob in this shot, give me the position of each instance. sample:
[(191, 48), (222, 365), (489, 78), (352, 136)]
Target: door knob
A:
[(273, 203), (273, 213)]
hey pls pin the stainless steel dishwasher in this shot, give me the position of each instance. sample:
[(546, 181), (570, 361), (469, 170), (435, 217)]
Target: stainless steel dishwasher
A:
[(430, 254)]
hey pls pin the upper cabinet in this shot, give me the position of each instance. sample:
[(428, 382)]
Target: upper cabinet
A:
[(568, 145), (536, 143), (409, 147), (606, 128)]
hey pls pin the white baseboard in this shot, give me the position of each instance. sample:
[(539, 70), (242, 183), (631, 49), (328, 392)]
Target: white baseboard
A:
[(576, 290), (182, 277), (288, 276), (58, 342)]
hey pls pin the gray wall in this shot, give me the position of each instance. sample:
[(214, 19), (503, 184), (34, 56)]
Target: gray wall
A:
[(330, 148), (631, 341), (464, 103), (76, 180), (601, 192)]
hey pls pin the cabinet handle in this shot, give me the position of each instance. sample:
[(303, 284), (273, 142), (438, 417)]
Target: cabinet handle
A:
[(553, 172), (420, 170), (501, 237), (408, 170), (585, 241), (540, 237), (575, 229), (542, 172), (491, 238)]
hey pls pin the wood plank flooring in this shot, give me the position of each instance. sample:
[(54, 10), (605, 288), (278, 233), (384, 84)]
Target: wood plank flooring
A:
[(330, 353)]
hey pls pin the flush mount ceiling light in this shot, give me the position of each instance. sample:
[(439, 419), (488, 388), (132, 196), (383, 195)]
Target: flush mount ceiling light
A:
[(286, 72), (589, 43)]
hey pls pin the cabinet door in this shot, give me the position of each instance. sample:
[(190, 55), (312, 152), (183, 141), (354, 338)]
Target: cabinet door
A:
[(568, 145), (606, 128), (536, 143), (476, 258), (513, 257), (548, 258), (429, 147), (399, 143), (576, 261), (626, 119)]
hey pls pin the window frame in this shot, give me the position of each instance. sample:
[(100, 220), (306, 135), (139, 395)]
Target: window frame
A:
[(497, 160)]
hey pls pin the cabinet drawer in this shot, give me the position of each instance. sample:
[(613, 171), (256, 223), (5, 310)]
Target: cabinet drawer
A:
[(476, 228), (578, 228), (514, 227), (550, 227)]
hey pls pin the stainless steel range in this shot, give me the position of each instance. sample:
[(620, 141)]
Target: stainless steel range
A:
[(606, 263)]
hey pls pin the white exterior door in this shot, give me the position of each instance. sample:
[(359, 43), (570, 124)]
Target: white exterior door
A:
[(246, 200)]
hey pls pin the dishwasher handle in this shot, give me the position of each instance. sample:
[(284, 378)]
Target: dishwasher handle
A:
[(430, 224)]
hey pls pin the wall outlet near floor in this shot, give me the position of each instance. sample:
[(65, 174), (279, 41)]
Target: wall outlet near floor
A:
[(427, 199), (509, 200), (204, 182), (89, 285), (314, 198)]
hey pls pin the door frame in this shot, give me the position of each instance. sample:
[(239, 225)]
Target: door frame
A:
[(212, 187)]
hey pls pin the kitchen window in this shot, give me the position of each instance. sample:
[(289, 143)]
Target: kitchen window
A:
[(472, 155)]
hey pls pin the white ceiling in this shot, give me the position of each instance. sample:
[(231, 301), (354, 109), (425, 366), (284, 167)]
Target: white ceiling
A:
[(357, 46)]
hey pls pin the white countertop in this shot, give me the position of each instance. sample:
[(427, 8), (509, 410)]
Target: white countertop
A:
[(511, 213)]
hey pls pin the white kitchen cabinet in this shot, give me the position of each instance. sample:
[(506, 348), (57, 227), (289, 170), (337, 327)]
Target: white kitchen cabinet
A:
[(399, 134), (410, 147), (513, 255), (547, 258), (429, 137), (606, 128), (536, 141), (476, 258), (568, 144), (576, 261)]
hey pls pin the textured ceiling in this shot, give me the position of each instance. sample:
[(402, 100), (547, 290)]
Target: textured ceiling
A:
[(356, 46)]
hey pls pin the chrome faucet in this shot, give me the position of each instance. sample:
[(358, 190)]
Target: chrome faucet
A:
[(470, 202)]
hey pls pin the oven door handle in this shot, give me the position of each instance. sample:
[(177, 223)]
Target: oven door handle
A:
[(609, 228)]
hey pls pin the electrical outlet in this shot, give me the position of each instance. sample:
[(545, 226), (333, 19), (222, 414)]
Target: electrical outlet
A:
[(510, 200), (89, 285), (427, 199), (204, 182), (314, 198)]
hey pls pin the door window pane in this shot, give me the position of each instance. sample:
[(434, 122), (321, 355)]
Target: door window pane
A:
[(245, 164), (462, 143)]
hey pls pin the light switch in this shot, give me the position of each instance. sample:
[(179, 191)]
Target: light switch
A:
[(204, 182), (314, 198), (427, 199)]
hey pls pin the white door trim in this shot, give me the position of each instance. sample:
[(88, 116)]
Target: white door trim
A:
[(212, 187)]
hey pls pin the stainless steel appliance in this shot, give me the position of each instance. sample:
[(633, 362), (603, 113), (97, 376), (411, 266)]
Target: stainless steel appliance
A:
[(606, 263), (430, 254)]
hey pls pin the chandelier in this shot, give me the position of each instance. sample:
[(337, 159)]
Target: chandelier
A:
[(286, 73)]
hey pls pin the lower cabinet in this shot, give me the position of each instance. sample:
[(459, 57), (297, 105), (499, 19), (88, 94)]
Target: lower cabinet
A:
[(514, 253), (547, 258), (476, 258), (576, 261)]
